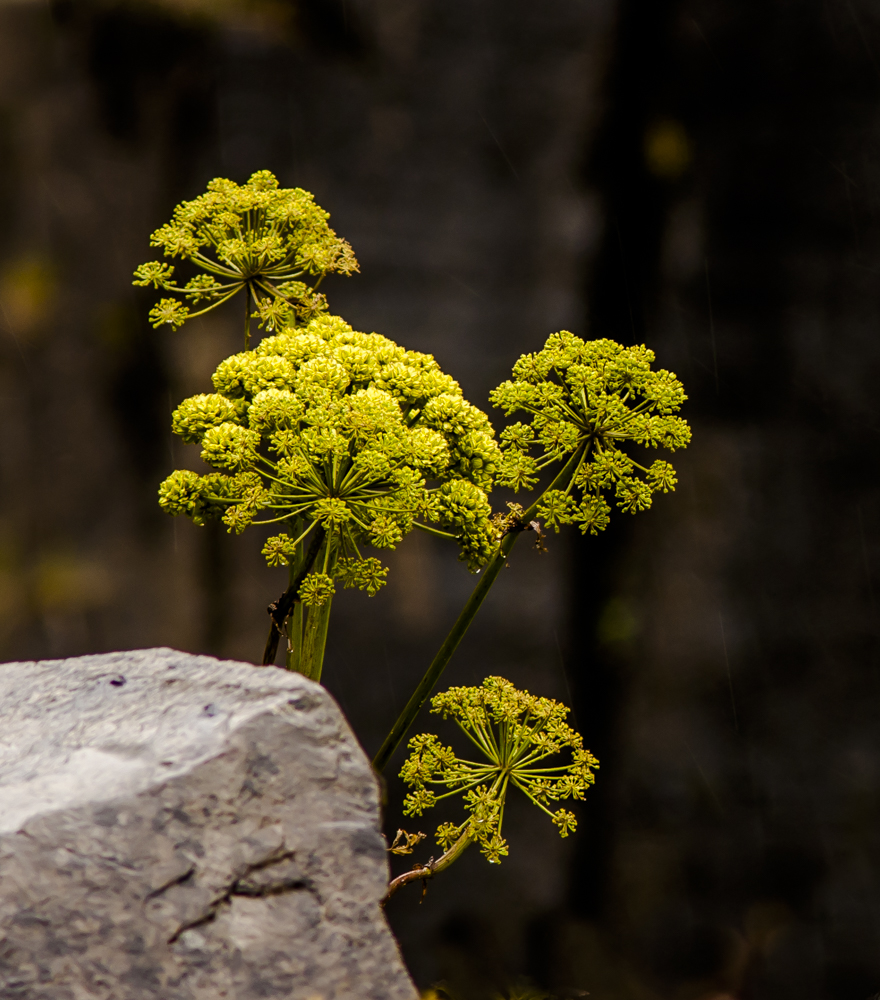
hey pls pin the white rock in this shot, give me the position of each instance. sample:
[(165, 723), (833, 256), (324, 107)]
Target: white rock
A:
[(182, 828)]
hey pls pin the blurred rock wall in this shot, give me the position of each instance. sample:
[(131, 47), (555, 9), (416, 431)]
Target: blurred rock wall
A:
[(728, 662)]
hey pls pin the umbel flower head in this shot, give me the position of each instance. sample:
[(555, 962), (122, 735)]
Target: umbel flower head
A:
[(322, 427), (515, 734), (273, 242), (590, 397)]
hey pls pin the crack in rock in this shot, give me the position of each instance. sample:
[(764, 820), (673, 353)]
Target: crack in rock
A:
[(271, 877)]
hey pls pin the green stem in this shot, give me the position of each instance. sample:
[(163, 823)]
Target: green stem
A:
[(434, 531), (468, 613), (314, 639)]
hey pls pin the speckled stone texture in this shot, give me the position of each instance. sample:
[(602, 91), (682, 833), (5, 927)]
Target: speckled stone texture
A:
[(182, 828)]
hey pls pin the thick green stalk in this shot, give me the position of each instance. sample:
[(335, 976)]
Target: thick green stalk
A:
[(315, 632), (315, 640), (295, 638), (462, 623)]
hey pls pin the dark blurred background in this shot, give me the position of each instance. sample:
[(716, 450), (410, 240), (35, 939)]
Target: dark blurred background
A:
[(699, 175)]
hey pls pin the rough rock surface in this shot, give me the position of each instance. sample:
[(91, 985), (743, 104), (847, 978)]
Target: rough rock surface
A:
[(178, 827)]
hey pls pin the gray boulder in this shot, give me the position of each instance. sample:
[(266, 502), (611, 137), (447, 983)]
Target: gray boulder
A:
[(182, 828)]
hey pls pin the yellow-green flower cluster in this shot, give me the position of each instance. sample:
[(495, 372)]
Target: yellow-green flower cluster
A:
[(515, 732), (325, 426), (272, 241), (591, 396)]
